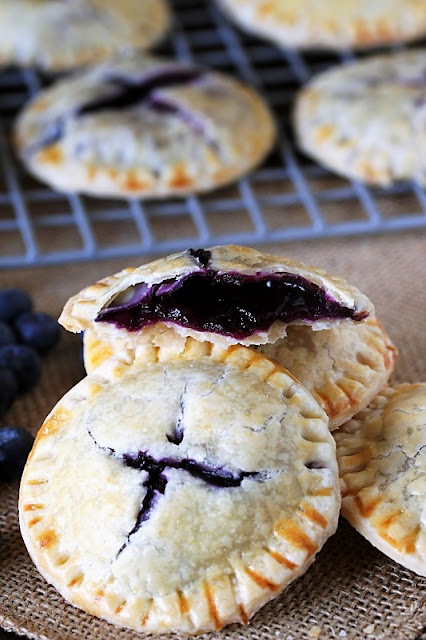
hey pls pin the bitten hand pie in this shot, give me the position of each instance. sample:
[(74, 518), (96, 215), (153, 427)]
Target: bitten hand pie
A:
[(332, 343), (226, 294)]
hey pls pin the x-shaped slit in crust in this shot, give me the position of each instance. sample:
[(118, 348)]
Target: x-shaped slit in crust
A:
[(125, 93), (156, 481)]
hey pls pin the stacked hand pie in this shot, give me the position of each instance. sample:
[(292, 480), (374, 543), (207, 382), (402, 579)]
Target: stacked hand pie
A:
[(192, 475)]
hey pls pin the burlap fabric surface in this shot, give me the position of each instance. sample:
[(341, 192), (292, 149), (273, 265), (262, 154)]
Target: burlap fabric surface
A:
[(352, 590)]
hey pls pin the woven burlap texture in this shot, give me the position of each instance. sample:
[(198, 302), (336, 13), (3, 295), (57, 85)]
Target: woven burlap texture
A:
[(352, 590)]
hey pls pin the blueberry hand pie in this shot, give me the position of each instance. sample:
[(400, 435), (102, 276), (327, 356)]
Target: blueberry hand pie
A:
[(344, 366), (181, 492), (145, 127)]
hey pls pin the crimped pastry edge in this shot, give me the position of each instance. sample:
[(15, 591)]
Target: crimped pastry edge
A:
[(241, 357), (360, 511)]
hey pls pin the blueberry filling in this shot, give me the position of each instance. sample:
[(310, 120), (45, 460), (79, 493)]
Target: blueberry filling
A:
[(156, 482), (228, 303), (155, 485), (177, 436), (216, 476), (125, 93), (167, 106)]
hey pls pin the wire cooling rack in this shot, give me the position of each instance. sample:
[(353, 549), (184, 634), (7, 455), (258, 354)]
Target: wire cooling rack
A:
[(288, 198)]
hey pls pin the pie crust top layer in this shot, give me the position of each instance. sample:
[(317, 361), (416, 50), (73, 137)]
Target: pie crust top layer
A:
[(181, 492), (382, 464), (57, 35), (225, 294), (144, 126)]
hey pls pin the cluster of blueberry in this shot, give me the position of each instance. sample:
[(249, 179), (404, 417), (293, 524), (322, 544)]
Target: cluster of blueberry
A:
[(25, 335)]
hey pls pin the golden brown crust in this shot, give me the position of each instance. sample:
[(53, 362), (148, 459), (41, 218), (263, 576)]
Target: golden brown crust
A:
[(167, 577), (344, 367)]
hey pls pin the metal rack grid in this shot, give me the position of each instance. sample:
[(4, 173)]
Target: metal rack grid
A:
[(288, 198)]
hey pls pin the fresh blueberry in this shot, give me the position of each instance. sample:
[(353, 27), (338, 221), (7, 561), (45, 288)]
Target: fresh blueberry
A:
[(8, 389), (15, 445), (7, 335), (13, 302), (37, 330), (24, 362)]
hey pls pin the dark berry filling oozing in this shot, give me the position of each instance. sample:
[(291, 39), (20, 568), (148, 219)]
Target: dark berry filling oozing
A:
[(217, 476), (156, 482), (229, 303)]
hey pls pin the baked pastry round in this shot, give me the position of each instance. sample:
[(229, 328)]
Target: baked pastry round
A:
[(366, 120), (330, 24), (182, 492), (225, 294), (382, 464), (56, 35), (344, 367), (146, 127)]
